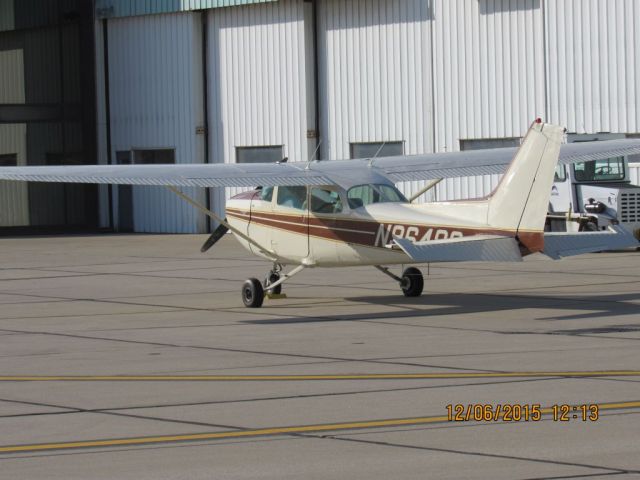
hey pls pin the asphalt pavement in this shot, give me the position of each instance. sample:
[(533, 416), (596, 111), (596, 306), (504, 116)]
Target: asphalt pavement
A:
[(132, 357)]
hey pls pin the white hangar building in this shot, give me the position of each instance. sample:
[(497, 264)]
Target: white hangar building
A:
[(208, 81)]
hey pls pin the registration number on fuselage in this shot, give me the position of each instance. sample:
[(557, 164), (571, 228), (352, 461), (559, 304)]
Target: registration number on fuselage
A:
[(415, 233)]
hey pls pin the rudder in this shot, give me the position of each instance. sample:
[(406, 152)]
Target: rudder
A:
[(521, 199)]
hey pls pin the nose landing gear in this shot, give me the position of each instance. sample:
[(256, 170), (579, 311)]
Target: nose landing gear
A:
[(253, 292), (273, 277)]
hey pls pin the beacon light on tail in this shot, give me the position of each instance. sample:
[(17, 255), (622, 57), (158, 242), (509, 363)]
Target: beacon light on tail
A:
[(349, 213)]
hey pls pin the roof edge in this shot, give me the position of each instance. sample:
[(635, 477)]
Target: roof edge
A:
[(132, 8)]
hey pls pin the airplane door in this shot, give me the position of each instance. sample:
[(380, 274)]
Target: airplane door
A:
[(290, 223), (326, 239), (261, 210)]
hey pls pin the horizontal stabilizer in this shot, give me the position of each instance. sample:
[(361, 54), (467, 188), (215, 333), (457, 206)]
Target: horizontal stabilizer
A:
[(478, 248), (559, 244)]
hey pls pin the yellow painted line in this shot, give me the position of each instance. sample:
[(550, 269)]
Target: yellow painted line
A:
[(262, 378), (134, 441)]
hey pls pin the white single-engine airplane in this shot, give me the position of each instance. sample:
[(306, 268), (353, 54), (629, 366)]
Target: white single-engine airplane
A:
[(347, 213)]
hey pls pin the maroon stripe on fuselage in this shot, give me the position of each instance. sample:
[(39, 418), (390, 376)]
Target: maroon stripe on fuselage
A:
[(376, 234)]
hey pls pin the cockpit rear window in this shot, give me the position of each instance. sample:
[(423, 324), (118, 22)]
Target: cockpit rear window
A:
[(362, 195)]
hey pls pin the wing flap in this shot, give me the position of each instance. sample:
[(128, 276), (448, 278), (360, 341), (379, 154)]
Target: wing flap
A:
[(479, 248), (559, 244)]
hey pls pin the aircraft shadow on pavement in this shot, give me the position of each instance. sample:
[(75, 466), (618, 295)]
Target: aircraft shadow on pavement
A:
[(587, 307)]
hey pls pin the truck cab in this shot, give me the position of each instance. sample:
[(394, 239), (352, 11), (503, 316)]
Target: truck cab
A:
[(595, 194)]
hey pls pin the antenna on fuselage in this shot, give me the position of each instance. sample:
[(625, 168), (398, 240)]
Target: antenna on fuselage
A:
[(315, 151)]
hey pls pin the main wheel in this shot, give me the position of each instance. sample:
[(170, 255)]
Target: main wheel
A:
[(412, 282), (271, 279), (252, 293)]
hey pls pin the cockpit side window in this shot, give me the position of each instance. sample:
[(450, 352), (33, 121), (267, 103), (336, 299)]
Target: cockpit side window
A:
[(266, 194), (324, 200), (293, 197), (362, 195)]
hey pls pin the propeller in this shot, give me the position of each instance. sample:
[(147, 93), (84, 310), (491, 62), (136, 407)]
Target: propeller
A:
[(217, 234)]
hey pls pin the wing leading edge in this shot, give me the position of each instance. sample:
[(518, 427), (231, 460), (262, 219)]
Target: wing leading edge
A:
[(178, 175)]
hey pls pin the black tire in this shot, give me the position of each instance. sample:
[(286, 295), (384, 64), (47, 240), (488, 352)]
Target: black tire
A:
[(273, 278), (589, 227), (412, 282), (252, 293)]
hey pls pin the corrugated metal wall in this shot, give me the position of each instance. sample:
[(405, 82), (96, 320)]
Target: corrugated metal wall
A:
[(375, 76), (155, 78), (593, 71), (101, 125), (7, 15), (258, 93), (488, 69), (13, 138), (634, 173), (426, 72)]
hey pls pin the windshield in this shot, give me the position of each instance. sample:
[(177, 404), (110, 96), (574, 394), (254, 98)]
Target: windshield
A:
[(361, 195), (606, 169)]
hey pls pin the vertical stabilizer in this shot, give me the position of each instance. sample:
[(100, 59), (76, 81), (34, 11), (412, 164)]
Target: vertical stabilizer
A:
[(521, 200)]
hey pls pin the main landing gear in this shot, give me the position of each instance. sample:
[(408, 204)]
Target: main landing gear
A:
[(411, 281), (253, 291)]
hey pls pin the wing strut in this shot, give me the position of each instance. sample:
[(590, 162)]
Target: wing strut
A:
[(428, 187), (209, 213)]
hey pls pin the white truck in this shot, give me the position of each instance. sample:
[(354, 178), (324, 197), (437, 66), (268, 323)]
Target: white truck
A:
[(592, 195)]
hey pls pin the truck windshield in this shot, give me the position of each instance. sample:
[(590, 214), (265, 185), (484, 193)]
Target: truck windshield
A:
[(361, 195), (603, 170)]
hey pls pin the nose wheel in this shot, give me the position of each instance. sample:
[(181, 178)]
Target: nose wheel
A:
[(252, 293)]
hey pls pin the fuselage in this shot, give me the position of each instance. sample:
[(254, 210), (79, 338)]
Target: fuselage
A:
[(345, 233)]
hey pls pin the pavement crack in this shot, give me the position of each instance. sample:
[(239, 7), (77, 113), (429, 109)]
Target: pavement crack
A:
[(481, 454)]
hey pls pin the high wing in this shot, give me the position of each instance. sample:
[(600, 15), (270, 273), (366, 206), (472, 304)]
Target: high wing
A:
[(178, 175), (490, 161), (342, 172)]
